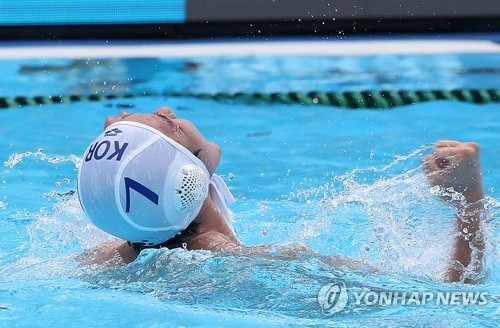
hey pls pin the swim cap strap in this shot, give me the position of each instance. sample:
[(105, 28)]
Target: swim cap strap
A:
[(221, 195)]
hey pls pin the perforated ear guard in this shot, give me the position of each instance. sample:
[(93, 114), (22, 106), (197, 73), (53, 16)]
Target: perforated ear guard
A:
[(191, 188)]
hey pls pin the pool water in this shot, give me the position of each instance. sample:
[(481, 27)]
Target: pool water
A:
[(339, 181), (30, 77)]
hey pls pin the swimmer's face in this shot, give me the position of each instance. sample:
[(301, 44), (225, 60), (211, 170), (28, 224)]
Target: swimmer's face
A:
[(182, 131)]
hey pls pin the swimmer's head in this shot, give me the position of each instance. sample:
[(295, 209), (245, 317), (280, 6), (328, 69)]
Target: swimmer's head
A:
[(139, 183), (182, 131)]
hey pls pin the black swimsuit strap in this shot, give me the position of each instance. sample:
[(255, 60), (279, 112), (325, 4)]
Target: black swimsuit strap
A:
[(138, 247)]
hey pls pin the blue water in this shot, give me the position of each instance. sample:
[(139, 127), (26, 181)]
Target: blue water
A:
[(328, 178), (249, 73)]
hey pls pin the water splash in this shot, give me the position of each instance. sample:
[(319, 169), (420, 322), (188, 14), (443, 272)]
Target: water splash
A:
[(56, 239), (226, 281), (390, 218), (415, 154), (373, 215), (15, 158), (31, 172), (66, 230)]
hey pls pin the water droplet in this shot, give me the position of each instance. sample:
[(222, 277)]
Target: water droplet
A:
[(492, 189), (230, 176), (334, 203), (372, 154), (435, 190)]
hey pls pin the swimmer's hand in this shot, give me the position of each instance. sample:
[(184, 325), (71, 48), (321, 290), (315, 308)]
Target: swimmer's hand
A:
[(455, 168)]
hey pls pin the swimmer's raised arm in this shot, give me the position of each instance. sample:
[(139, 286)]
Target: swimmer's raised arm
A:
[(456, 165)]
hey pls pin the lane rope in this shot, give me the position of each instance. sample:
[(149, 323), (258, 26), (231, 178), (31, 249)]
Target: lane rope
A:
[(352, 99)]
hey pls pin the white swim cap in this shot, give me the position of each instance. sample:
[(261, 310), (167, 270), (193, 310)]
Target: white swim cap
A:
[(139, 185)]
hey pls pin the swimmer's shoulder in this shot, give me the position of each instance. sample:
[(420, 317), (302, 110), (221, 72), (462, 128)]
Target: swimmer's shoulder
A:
[(212, 241), (112, 254)]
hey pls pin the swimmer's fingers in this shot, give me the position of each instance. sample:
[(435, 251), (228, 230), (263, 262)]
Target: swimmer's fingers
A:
[(464, 154), (470, 148), (455, 165), (441, 166), (428, 164), (449, 154), (440, 161), (447, 143), (431, 166)]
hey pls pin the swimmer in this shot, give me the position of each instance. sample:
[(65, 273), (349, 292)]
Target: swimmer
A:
[(149, 180), (454, 166)]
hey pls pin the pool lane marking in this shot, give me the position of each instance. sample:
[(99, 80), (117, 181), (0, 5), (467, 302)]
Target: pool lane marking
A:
[(365, 99), (282, 48)]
